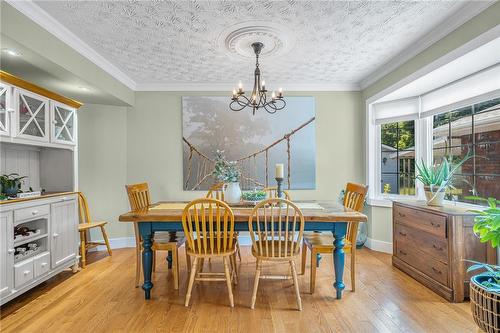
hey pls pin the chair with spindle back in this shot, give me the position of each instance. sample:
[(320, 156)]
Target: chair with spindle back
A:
[(354, 198), (85, 225), (272, 192), (138, 195), (209, 228), (216, 191), (276, 228)]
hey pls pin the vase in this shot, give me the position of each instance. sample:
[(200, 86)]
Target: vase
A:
[(434, 198), (232, 193)]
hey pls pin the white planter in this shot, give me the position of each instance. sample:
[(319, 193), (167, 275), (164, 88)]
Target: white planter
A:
[(232, 193), (433, 198)]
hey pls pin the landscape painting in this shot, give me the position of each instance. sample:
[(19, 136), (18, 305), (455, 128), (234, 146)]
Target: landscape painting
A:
[(257, 142)]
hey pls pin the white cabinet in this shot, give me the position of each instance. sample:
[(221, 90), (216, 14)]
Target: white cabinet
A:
[(6, 253), (63, 121), (64, 229), (31, 116), (6, 109)]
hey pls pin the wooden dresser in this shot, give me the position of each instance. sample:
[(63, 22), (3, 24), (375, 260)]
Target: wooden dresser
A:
[(431, 243)]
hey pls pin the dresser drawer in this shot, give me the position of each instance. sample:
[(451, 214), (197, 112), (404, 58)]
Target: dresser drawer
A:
[(23, 273), (433, 245), (433, 268), (41, 264), (31, 212), (426, 221)]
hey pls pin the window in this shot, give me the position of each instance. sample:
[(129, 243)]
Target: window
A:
[(474, 129), (397, 167)]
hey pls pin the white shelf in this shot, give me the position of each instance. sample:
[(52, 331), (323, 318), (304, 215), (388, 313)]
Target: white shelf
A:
[(27, 239)]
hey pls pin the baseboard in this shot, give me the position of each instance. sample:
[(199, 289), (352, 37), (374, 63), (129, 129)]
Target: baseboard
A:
[(377, 245)]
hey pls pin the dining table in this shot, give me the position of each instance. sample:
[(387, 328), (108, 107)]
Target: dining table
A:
[(321, 216)]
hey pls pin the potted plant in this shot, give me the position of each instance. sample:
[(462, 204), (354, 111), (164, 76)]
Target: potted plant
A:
[(228, 172), (438, 178), (11, 184), (485, 287)]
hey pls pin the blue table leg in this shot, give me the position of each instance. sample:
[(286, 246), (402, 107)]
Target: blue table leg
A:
[(147, 256), (339, 232)]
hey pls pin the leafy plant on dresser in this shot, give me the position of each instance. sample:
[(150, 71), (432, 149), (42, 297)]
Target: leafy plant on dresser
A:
[(485, 287)]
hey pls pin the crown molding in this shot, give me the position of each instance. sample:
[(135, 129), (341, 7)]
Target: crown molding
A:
[(46, 21), (463, 15), (230, 86)]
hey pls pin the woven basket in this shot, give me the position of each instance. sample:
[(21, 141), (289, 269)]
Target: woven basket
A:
[(485, 306)]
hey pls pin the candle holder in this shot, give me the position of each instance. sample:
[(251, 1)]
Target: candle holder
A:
[(279, 190)]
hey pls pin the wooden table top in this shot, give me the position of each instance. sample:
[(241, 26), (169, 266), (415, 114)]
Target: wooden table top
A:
[(332, 212)]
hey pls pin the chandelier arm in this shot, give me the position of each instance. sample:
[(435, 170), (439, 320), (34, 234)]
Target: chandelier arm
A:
[(272, 111), (241, 106), (246, 101)]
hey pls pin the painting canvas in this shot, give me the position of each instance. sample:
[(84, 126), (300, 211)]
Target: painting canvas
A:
[(257, 142)]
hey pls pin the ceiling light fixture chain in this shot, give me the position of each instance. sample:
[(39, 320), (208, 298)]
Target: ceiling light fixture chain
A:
[(258, 98)]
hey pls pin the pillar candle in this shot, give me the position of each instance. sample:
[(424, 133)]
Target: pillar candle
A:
[(279, 170)]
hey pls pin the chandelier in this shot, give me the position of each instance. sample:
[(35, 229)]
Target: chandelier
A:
[(258, 98)]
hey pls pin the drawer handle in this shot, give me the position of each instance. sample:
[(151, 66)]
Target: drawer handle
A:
[(34, 212), (402, 234), (437, 270), (10, 251), (55, 235), (26, 272), (401, 214), (43, 264), (64, 199), (435, 225), (403, 252), (439, 248)]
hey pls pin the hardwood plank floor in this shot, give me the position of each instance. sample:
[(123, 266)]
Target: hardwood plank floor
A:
[(102, 298)]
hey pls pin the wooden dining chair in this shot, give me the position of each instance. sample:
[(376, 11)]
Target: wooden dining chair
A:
[(276, 227), (84, 227), (209, 228), (139, 197), (272, 192), (216, 191), (321, 242)]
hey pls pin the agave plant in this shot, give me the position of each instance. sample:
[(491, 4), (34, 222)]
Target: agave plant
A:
[(439, 177)]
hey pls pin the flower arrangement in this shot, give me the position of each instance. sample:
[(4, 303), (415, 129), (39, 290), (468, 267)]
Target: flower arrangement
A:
[(254, 195), (224, 170)]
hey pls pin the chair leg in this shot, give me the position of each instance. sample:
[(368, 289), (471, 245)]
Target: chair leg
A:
[(202, 261), (296, 285), (137, 265), (175, 267), (154, 260), (228, 281), (304, 258), (234, 270), (82, 248), (194, 269), (188, 262), (238, 250), (256, 283), (312, 283), (353, 268), (105, 236)]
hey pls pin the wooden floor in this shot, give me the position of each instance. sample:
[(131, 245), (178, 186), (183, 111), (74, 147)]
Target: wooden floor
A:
[(102, 298)]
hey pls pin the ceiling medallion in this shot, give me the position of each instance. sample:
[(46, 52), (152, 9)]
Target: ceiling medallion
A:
[(258, 98)]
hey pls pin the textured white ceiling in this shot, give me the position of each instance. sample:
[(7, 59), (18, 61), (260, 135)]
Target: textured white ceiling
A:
[(179, 42)]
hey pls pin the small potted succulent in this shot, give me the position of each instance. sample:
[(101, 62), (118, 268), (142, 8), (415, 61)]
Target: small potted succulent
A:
[(11, 184), (228, 172), (485, 287), (438, 178)]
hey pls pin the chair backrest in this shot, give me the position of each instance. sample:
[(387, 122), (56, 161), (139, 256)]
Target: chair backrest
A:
[(276, 227), (272, 192), (209, 226), (83, 208), (216, 192), (138, 195), (354, 198)]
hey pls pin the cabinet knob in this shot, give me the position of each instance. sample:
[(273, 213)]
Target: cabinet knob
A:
[(435, 225), (64, 199), (436, 270), (401, 214), (402, 234), (10, 251), (403, 252), (43, 264), (34, 212), (10, 110), (26, 272), (439, 248), (55, 235)]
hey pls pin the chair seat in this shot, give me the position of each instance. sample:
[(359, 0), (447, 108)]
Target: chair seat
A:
[(86, 226), (195, 252), (322, 241), (279, 252)]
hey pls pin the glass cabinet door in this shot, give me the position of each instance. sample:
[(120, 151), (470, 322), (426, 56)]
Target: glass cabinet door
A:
[(5, 107), (32, 116), (63, 123)]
